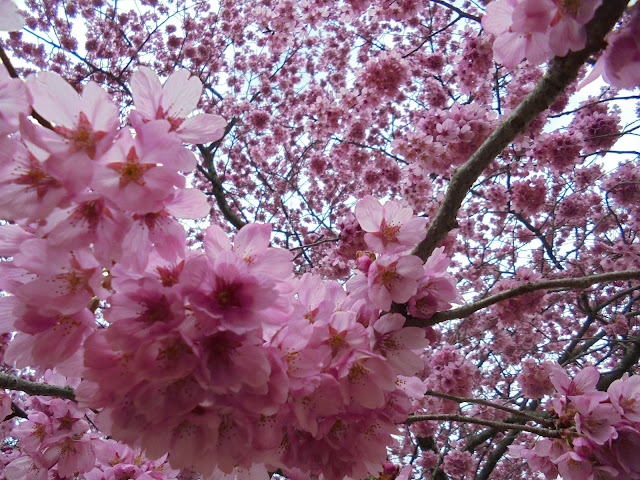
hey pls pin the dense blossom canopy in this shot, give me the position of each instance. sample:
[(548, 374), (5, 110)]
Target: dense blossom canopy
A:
[(319, 239)]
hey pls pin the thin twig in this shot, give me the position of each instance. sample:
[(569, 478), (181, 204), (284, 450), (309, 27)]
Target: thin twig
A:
[(543, 432), (480, 401)]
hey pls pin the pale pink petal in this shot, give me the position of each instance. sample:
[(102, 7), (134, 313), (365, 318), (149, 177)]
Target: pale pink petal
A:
[(216, 241), (97, 103), (252, 240), (369, 214), (498, 17), (396, 214), (509, 49), (189, 203), (7, 315), (14, 100), (533, 16), (202, 128), (146, 91), (54, 98), (10, 19), (276, 262), (180, 94), (537, 50)]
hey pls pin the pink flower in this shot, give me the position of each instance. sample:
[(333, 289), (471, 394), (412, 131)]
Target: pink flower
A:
[(174, 101), (622, 57), (390, 228), (365, 378), (504, 17), (567, 31), (624, 395), (140, 174), (84, 124), (27, 190), (596, 421), (574, 467), (584, 382), (251, 244), (400, 346), (231, 297), (393, 279)]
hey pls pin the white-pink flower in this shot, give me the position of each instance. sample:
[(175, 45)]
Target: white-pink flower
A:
[(174, 101)]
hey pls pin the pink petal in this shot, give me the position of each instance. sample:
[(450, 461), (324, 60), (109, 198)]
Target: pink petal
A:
[(509, 49), (54, 99), (369, 214), (146, 91), (180, 94), (202, 128), (189, 203), (497, 18), (10, 19)]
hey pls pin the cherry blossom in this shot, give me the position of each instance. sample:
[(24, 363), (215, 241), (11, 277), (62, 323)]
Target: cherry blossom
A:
[(174, 102), (400, 259)]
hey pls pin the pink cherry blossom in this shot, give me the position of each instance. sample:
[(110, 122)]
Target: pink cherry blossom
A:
[(622, 58), (174, 101), (390, 228), (392, 278), (624, 394), (82, 124)]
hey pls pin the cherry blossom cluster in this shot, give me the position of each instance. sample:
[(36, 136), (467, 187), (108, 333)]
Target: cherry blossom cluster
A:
[(601, 430), (86, 195), (541, 29), (317, 120), (388, 273), (220, 357), (56, 440)]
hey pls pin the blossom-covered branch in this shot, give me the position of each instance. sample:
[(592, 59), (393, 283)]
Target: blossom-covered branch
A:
[(561, 73), (559, 283)]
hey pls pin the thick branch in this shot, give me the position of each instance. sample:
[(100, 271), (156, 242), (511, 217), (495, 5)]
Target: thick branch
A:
[(496, 455), (543, 432), (561, 73), (11, 382), (628, 362), (216, 187), (559, 283)]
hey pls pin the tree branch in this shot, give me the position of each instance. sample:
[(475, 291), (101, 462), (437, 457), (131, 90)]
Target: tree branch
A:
[(630, 360), (11, 382), (543, 432), (559, 283), (560, 74), (480, 401), (216, 187)]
